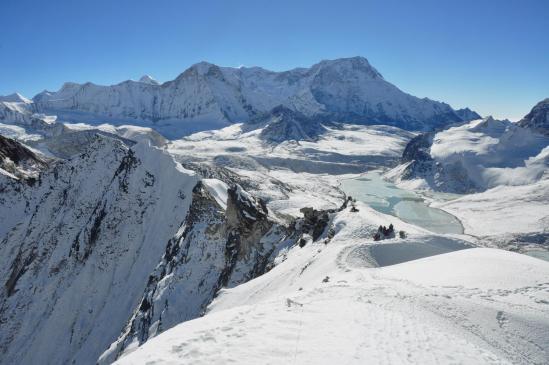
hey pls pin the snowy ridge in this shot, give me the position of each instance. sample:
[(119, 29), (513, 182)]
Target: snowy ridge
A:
[(215, 248), (134, 230), (15, 98), (347, 89), (326, 304), (96, 224), (19, 111)]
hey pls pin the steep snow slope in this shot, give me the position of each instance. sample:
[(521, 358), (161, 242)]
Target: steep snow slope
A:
[(206, 96), (78, 246), (473, 157), (326, 304), (215, 249), (117, 244), (75, 138)]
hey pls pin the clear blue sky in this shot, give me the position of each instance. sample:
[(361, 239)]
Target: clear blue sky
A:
[(490, 55)]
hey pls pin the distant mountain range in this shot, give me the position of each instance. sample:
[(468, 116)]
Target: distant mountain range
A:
[(207, 95)]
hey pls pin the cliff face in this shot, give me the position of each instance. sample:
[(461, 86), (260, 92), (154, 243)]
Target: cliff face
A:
[(114, 246), (78, 246), (217, 248), (538, 118), (20, 162)]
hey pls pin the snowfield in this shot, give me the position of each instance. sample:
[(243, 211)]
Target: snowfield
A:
[(329, 304), (294, 174), (504, 209)]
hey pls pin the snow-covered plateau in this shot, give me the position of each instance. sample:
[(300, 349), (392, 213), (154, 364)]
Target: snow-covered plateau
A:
[(314, 216)]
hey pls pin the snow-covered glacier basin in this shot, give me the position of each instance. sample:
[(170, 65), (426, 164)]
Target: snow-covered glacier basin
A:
[(385, 197)]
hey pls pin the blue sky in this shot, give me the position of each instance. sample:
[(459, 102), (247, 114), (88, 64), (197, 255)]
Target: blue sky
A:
[(492, 56)]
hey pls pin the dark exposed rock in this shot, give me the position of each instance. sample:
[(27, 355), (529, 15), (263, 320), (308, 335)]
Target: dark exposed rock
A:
[(314, 222), (538, 118), (217, 248), (20, 161), (384, 233), (418, 148), (283, 124), (442, 177), (467, 114)]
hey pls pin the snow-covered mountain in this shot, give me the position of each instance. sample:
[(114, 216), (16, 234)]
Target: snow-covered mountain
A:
[(473, 157), (467, 114), (119, 234), (15, 98), (240, 243), (283, 124), (347, 89), (148, 80), (118, 243)]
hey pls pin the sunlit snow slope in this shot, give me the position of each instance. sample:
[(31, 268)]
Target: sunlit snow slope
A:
[(330, 304)]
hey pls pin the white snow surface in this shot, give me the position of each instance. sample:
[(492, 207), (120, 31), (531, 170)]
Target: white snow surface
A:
[(503, 209), (218, 189), (331, 304), (494, 152), (482, 154)]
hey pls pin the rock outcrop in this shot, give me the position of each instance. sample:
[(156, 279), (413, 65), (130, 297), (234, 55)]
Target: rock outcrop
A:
[(19, 161), (538, 118)]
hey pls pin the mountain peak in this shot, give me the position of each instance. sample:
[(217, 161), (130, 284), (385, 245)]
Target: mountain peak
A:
[(353, 64), (146, 79), (202, 67), (284, 124), (15, 98), (538, 118)]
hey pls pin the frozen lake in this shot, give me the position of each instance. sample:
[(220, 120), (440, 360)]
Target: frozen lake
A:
[(385, 197)]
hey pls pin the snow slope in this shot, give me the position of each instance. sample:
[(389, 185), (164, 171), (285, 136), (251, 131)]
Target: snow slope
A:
[(503, 210), (326, 304), (116, 244), (78, 247)]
